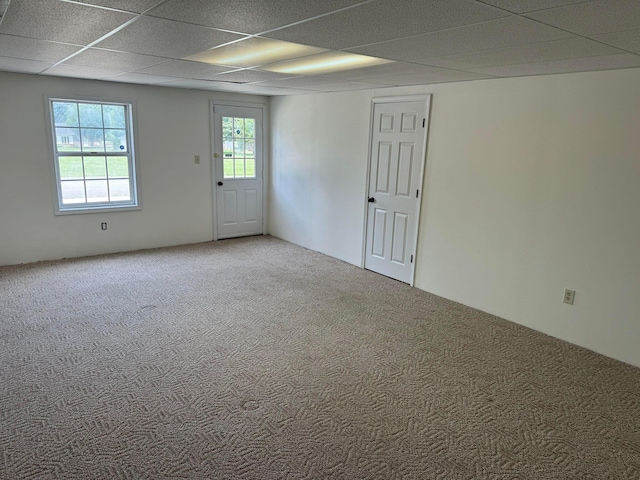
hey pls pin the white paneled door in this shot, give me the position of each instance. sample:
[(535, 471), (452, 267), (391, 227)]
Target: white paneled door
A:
[(397, 160), (238, 170)]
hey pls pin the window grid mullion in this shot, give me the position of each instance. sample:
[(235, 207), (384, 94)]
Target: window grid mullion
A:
[(84, 180), (106, 170)]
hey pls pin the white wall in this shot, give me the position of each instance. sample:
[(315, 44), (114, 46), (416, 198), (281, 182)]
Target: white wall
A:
[(532, 185), (172, 126), (317, 157)]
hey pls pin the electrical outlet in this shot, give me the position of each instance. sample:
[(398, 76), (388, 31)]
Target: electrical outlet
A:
[(103, 225), (569, 295), (196, 159)]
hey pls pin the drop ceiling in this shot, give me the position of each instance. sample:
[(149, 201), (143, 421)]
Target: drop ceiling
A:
[(427, 41)]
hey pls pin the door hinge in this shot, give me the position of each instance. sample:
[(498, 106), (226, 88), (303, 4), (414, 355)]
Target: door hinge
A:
[(411, 258), (417, 193), (423, 121)]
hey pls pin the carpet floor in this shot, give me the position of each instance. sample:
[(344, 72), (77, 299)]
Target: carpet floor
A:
[(258, 359)]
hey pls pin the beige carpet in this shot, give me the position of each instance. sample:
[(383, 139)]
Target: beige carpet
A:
[(258, 359)]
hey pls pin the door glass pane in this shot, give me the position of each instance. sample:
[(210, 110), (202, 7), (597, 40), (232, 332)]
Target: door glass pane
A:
[(228, 168), (250, 168), (95, 167), (72, 191), (239, 167), (97, 191), (227, 127), (238, 127), (238, 148), (227, 146), (249, 148), (250, 157), (249, 128), (70, 168)]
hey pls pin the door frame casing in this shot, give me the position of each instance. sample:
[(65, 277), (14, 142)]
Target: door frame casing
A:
[(265, 164), (426, 98)]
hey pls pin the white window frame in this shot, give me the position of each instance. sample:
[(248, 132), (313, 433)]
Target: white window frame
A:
[(95, 207)]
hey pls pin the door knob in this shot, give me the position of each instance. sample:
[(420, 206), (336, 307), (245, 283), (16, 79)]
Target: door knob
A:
[(216, 155), (220, 184), (371, 199)]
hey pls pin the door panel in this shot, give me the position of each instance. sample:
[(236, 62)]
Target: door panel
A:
[(251, 205), (386, 123), (238, 171), (397, 162), (379, 233), (384, 163), (405, 167), (399, 239), (230, 204), (409, 122)]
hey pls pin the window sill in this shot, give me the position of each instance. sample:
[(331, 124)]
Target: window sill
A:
[(98, 209)]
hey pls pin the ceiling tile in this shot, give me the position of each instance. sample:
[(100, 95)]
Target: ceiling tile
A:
[(386, 20), (403, 74), (207, 85), (390, 70), (503, 32), (538, 52), (431, 41), (200, 84), (136, 6), (97, 58), (604, 62), (133, 77), (22, 66), (248, 16), (436, 75), (185, 69), (522, 6), (345, 86), (592, 18), (31, 49), (167, 38), (51, 20), (77, 71), (629, 40), (250, 75), (257, 89), (319, 83)]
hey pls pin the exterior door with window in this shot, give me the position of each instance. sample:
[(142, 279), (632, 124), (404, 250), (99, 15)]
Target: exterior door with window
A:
[(238, 170), (395, 177)]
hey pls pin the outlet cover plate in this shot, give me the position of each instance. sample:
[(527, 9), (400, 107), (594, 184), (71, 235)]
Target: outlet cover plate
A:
[(569, 296)]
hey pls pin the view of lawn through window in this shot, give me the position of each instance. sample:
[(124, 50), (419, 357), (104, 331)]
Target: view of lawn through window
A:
[(92, 150), (239, 145)]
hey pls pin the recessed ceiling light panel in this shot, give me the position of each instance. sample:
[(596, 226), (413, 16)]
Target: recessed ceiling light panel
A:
[(254, 52), (324, 63)]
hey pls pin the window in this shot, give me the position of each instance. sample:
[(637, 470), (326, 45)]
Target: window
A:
[(93, 155), (239, 146)]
